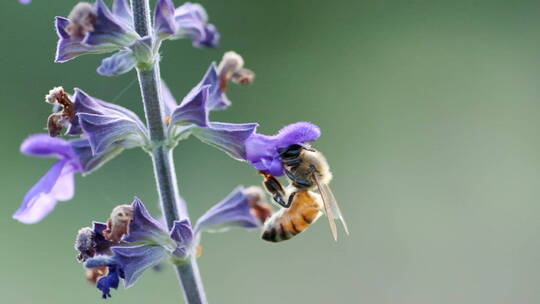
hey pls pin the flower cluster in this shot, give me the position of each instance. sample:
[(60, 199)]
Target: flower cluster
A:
[(86, 132), (133, 241), (94, 29)]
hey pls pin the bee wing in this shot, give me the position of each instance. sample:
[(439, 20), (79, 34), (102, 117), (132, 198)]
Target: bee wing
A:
[(327, 207), (334, 205)]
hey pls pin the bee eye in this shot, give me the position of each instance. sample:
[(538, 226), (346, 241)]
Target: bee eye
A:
[(291, 151)]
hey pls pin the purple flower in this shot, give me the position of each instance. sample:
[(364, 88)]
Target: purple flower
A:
[(56, 185), (107, 125), (238, 209), (262, 151), (94, 29), (192, 117), (186, 21), (146, 245), (25, 1)]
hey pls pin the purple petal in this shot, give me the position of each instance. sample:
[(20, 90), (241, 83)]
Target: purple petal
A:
[(193, 109), (42, 145), (183, 235), (136, 259), (117, 64), (84, 103), (108, 125), (25, 1), (164, 24), (111, 280), (146, 229), (262, 150), (108, 29), (169, 102), (229, 137), (191, 22), (56, 185), (69, 48), (211, 37), (90, 161), (217, 100), (122, 10), (232, 211)]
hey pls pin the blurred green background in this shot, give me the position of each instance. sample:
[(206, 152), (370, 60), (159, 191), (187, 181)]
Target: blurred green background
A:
[(430, 117)]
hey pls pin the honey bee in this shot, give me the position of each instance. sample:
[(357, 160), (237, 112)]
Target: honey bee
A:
[(307, 170), (118, 223)]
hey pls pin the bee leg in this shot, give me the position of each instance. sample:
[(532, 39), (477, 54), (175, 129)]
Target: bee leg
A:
[(274, 187), (296, 180), (279, 199)]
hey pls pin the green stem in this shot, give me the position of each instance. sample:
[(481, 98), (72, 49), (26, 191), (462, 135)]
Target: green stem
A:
[(172, 205)]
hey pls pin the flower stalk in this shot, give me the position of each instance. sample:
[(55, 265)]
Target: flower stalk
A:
[(172, 206)]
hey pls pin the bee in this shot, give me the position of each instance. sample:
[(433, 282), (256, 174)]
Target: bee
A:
[(307, 171), (118, 223)]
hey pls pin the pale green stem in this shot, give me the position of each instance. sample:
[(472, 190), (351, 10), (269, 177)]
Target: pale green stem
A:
[(172, 205)]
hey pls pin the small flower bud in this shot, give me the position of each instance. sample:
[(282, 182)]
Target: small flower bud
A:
[(82, 20), (231, 68), (259, 206), (118, 223)]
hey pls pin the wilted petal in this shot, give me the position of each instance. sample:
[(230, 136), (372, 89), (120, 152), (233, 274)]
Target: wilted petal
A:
[(234, 210), (117, 64), (263, 151), (108, 125), (193, 109), (183, 235), (135, 260), (108, 29), (228, 137), (56, 185), (164, 24)]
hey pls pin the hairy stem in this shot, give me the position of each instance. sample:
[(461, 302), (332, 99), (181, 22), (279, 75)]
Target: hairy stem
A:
[(172, 205)]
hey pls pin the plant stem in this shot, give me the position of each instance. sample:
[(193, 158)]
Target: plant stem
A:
[(172, 205)]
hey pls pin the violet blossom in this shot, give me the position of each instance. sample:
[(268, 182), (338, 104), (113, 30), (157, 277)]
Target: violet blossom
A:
[(94, 29), (148, 241)]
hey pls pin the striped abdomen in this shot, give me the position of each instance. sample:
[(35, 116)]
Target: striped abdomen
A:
[(288, 222)]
